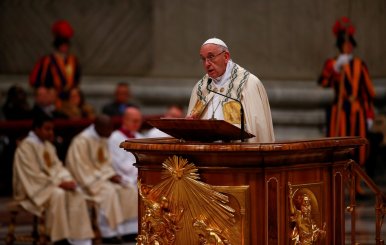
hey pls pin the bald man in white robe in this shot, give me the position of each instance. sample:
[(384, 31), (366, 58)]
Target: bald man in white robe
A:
[(234, 81), (89, 161)]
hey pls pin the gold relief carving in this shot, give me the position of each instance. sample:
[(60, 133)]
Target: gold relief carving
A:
[(159, 225), (303, 208), (208, 235), (183, 210), (239, 200)]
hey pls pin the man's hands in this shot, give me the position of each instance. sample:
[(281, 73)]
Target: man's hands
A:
[(69, 185), (116, 179)]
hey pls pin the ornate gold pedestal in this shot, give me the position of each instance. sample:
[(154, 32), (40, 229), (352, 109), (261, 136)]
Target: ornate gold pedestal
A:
[(242, 193)]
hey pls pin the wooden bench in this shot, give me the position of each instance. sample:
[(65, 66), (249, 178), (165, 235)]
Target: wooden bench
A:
[(38, 235)]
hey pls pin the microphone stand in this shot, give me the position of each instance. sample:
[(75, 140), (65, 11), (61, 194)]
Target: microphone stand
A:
[(242, 138)]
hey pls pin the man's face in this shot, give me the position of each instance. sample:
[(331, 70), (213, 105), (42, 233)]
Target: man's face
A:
[(174, 112), (46, 131), (103, 126), (215, 59), (75, 98), (347, 47), (132, 120), (42, 97), (104, 131), (122, 94), (64, 48)]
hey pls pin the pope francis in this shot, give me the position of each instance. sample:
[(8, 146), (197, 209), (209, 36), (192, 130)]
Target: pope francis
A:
[(233, 81)]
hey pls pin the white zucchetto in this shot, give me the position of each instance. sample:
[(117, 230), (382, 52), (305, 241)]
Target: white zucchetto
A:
[(215, 41)]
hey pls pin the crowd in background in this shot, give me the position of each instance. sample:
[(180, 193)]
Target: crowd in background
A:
[(70, 105)]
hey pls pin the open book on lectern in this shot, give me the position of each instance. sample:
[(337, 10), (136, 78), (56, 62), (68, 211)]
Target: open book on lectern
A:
[(199, 129)]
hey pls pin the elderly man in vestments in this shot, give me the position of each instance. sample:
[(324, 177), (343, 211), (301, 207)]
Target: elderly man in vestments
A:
[(42, 184), (88, 159), (234, 81), (122, 160)]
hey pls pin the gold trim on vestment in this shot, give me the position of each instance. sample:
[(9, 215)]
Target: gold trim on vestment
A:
[(101, 155), (47, 159), (197, 109), (231, 112)]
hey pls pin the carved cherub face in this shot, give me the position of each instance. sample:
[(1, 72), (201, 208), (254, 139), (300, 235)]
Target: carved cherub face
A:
[(164, 202), (156, 208)]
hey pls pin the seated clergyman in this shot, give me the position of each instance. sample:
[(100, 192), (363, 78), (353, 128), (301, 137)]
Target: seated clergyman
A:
[(89, 161), (42, 184)]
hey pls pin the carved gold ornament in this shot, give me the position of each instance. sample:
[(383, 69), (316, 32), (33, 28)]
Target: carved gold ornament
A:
[(303, 204), (183, 210), (207, 234)]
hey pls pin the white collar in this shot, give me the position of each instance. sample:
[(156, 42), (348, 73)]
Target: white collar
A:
[(34, 138), (90, 132), (224, 79)]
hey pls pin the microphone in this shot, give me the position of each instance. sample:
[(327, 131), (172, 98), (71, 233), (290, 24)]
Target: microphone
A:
[(241, 108)]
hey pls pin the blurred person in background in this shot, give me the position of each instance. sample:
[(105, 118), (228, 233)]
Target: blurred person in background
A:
[(89, 161), (42, 184), (173, 111), (352, 111), (16, 106), (74, 106), (59, 70), (45, 103), (123, 161), (122, 99)]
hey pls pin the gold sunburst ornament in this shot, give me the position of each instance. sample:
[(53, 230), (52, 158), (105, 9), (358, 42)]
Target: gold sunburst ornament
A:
[(183, 210)]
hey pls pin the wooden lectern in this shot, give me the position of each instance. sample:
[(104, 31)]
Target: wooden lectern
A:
[(242, 193), (199, 130)]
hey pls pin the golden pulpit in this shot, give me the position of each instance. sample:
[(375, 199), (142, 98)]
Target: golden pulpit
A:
[(242, 193)]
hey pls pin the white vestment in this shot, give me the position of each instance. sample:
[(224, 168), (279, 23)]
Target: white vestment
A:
[(156, 133), (237, 83), (123, 160), (88, 159), (37, 175)]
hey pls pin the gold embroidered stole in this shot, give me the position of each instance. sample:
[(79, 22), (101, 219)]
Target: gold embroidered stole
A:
[(231, 108)]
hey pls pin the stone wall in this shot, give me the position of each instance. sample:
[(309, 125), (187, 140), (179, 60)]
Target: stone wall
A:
[(275, 39), (112, 37)]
